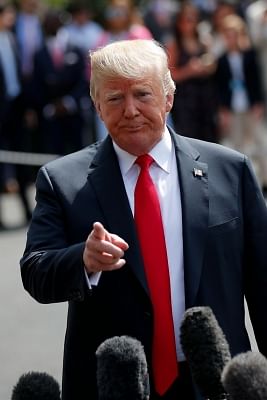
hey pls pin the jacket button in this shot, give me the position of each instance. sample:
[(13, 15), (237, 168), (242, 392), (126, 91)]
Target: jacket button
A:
[(76, 295)]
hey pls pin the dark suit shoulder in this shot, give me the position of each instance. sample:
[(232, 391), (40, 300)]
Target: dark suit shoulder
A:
[(83, 156), (70, 170), (209, 151)]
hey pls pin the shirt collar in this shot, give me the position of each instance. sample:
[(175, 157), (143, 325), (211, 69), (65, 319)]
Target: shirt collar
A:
[(161, 153)]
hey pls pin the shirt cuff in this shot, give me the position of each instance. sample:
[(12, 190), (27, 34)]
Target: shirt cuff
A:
[(93, 279)]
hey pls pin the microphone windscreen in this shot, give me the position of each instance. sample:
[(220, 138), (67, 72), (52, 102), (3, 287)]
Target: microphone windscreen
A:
[(122, 370), (245, 377), (36, 386), (206, 350)]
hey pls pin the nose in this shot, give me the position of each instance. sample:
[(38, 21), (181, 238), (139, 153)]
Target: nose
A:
[(130, 109)]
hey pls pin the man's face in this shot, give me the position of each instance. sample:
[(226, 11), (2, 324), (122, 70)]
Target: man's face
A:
[(231, 37), (29, 6), (8, 18), (134, 112)]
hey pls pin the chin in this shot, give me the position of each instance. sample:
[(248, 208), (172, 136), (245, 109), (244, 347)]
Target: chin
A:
[(138, 142), (137, 149)]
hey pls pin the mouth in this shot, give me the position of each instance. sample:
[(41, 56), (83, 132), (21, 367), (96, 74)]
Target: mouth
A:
[(133, 128)]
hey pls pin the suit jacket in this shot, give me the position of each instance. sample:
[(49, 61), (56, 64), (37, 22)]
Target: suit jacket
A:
[(4, 99), (225, 253), (252, 79), (53, 83), (61, 130)]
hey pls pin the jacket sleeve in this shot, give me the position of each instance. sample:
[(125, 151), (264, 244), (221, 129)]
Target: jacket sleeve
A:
[(52, 269), (255, 255)]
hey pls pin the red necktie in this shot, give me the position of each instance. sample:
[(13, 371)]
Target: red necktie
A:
[(150, 232), (57, 57)]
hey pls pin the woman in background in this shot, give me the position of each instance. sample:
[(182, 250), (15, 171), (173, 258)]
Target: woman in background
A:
[(192, 68)]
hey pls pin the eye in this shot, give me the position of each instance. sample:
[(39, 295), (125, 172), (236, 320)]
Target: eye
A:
[(113, 99), (143, 94)]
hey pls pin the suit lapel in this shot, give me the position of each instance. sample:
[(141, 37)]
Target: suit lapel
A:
[(193, 176), (105, 176)]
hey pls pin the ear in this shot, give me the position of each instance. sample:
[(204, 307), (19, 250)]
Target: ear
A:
[(169, 102)]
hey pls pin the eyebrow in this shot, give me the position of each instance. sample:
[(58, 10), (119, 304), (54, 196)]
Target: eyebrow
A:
[(112, 93), (138, 87)]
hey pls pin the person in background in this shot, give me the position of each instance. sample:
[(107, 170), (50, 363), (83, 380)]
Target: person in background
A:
[(61, 90), (217, 43), (122, 21), (82, 32), (253, 15), (136, 229), (158, 18), (205, 7), (13, 178), (241, 97), (257, 24), (192, 67), (29, 35)]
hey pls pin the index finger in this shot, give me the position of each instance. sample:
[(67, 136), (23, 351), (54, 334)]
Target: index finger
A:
[(98, 231)]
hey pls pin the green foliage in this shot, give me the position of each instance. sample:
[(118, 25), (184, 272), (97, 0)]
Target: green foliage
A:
[(95, 5), (56, 3)]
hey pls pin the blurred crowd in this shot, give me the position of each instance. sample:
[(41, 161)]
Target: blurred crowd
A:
[(217, 51)]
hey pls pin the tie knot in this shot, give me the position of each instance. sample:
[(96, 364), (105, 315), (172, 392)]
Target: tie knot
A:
[(144, 161)]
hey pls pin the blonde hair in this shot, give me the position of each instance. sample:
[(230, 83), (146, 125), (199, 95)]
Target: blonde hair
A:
[(130, 59), (235, 23)]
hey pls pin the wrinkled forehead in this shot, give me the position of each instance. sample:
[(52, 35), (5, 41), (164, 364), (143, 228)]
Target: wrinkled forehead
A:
[(120, 83), (125, 83)]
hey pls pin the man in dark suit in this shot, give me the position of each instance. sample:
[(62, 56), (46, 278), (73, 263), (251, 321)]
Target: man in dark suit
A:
[(61, 90), (11, 108), (213, 213)]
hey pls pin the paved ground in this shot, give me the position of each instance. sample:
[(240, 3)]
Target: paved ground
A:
[(31, 334)]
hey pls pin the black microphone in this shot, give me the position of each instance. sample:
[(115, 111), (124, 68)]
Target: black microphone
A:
[(206, 350), (245, 377), (122, 370), (36, 386)]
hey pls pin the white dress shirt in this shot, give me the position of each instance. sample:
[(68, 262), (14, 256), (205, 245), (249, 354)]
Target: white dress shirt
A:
[(29, 36), (9, 65), (239, 99), (164, 174)]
